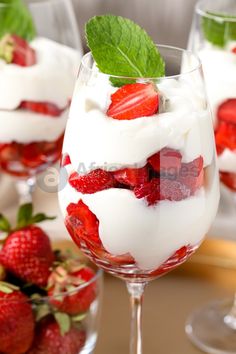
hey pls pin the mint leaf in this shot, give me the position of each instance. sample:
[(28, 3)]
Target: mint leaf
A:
[(217, 29), (15, 18), (122, 48)]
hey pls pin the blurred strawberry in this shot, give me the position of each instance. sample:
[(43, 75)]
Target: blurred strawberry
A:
[(15, 50), (44, 108), (16, 320), (227, 111), (26, 251)]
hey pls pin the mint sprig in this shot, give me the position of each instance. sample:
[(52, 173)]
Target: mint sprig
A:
[(217, 29), (15, 18), (120, 47)]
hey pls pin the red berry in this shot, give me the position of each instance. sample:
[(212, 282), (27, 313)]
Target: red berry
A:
[(131, 176), (76, 302), (9, 152), (44, 108), (82, 224), (16, 50), (167, 161), (65, 160), (94, 181), (133, 101), (16, 323), (225, 136), (149, 190), (192, 174), (227, 111), (27, 254), (229, 180), (173, 190), (49, 339)]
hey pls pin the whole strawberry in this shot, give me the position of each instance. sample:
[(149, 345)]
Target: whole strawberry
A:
[(66, 278), (16, 321), (51, 339), (26, 252)]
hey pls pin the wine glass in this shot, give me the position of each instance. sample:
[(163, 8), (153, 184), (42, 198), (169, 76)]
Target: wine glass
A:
[(36, 85), (213, 35), (127, 186)]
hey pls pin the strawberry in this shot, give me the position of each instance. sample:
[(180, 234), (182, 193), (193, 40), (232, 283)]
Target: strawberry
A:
[(27, 252), (173, 190), (149, 190), (82, 224), (131, 176), (9, 152), (65, 160), (133, 101), (225, 136), (162, 189), (233, 50), (49, 338), (67, 277), (227, 111), (16, 321), (192, 174), (167, 161), (229, 179), (15, 50), (94, 181), (45, 108)]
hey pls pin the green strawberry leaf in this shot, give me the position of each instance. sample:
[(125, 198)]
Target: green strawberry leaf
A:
[(7, 288), (217, 29), (122, 48), (4, 224), (24, 215), (15, 18), (41, 217), (79, 318), (63, 321)]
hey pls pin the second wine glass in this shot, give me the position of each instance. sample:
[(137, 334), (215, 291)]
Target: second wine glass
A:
[(39, 57)]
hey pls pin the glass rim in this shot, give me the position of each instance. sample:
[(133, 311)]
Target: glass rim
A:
[(198, 65), (217, 17), (45, 298)]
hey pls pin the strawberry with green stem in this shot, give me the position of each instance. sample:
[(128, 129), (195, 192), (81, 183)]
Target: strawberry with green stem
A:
[(26, 250)]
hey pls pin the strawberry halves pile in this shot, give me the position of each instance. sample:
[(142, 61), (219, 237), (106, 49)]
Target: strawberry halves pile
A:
[(41, 310)]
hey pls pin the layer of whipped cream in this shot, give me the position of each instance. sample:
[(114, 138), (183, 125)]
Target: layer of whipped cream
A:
[(227, 161), (96, 140), (25, 127), (51, 79), (219, 65), (150, 234)]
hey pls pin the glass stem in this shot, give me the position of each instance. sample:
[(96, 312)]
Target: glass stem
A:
[(230, 318), (136, 291), (25, 188)]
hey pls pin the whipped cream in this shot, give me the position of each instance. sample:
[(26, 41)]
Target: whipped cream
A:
[(94, 139), (150, 234), (227, 161), (219, 65), (51, 80)]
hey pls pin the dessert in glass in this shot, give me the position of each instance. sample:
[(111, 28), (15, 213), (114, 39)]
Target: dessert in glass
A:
[(38, 66), (138, 157), (213, 38), (49, 300)]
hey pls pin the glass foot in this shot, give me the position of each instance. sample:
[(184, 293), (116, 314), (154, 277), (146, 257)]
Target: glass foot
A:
[(212, 328)]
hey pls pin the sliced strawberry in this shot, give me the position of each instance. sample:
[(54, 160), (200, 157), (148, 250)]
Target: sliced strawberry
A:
[(192, 174), (234, 50), (44, 108), (229, 180), (94, 181), (149, 190), (65, 161), (225, 135), (167, 161), (15, 50), (10, 152), (131, 176), (82, 224), (133, 101), (227, 111), (173, 190)]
